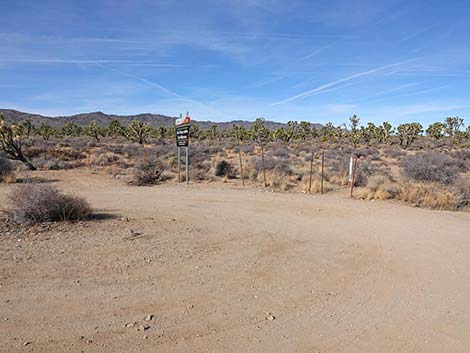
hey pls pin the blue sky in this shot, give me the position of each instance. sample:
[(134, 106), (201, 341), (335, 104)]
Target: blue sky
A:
[(318, 61)]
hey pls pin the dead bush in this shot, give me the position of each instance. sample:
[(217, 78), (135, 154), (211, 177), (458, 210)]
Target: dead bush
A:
[(147, 173), (106, 159), (37, 203), (431, 166)]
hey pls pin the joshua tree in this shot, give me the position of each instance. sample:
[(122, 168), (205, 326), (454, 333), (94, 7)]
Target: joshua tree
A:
[(409, 132), (137, 131), (46, 132), (213, 134), (436, 130), (261, 133), (95, 131), (328, 132), (71, 130), (355, 134), (305, 130), (452, 125), (115, 129), (28, 127), (11, 142)]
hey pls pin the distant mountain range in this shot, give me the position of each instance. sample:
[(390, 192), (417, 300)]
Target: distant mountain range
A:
[(14, 116)]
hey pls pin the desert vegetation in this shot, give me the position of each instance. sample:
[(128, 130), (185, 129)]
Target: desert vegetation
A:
[(425, 167), (38, 203)]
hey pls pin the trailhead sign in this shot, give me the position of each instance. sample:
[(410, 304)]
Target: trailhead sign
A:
[(182, 126), (182, 131)]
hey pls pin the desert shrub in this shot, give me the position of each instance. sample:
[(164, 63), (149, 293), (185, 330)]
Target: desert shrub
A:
[(338, 162), (200, 162), (166, 150), (462, 187), (36, 203), (366, 169), (463, 156), (147, 173), (430, 195), (224, 169), (6, 168), (370, 152), (105, 159), (380, 187), (132, 150), (375, 182), (53, 164), (67, 154), (34, 151), (280, 166), (247, 148), (280, 152), (394, 153), (431, 166), (269, 164), (229, 144)]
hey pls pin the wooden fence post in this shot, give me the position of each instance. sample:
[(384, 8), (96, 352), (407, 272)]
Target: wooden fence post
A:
[(311, 172), (353, 177), (240, 158), (262, 162), (322, 168)]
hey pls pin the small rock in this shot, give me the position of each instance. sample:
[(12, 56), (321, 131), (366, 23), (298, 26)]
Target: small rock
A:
[(190, 306), (145, 337), (26, 343), (125, 219), (134, 233), (271, 318), (149, 317), (131, 324), (143, 327)]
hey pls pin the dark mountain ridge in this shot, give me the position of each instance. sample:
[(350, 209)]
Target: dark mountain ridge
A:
[(14, 116)]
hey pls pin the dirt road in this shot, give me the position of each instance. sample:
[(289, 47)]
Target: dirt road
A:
[(229, 270)]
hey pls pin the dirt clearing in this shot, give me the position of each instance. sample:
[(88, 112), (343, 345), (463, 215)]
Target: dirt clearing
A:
[(213, 268)]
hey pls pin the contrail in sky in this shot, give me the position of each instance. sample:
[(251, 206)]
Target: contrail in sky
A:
[(349, 78), (163, 89)]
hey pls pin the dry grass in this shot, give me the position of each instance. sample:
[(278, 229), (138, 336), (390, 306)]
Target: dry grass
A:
[(9, 178), (430, 195)]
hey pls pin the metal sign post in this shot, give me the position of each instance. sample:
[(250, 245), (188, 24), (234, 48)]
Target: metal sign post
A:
[(187, 165), (179, 163), (182, 140)]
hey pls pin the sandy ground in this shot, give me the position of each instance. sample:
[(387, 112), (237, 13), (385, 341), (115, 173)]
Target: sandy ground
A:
[(228, 270)]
